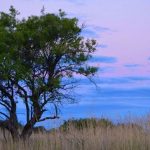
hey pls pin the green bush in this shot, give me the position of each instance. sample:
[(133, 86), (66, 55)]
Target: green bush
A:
[(86, 123)]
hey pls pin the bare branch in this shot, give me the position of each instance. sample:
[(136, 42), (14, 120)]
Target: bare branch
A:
[(5, 105), (4, 115), (48, 118), (25, 96)]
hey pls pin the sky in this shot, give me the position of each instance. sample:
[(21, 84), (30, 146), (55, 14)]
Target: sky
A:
[(122, 30)]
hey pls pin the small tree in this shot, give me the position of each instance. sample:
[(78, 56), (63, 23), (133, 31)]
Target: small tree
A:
[(39, 57)]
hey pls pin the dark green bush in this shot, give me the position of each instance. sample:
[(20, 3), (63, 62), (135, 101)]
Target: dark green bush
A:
[(86, 123)]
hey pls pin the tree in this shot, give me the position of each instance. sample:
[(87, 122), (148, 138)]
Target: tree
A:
[(39, 59)]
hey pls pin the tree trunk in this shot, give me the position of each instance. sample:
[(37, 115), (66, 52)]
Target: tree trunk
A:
[(28, 128), (11, 128), (15, 135), (26, 133)]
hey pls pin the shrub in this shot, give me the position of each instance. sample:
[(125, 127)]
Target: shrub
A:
[(80, 124)]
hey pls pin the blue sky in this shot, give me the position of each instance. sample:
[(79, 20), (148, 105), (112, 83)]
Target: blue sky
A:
[(122, 30)]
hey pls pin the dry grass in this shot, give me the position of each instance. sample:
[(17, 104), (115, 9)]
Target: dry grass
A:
[(119, 137)]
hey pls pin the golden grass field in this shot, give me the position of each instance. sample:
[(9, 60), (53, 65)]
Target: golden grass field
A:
[(129, 136)]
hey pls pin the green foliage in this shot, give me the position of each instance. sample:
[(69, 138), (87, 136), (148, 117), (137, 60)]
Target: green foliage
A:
[(81, 124), (48, 44), (39, 57)]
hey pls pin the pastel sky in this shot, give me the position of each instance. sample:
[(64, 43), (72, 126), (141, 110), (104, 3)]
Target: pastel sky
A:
[(122, 30)]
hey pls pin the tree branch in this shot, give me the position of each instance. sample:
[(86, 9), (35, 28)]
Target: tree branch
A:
[(5, 92), (5, 105), (4, 115), (25, 96), (48, 118)]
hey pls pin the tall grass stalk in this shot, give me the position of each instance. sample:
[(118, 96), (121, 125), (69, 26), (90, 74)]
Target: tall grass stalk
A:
[(130, 136)]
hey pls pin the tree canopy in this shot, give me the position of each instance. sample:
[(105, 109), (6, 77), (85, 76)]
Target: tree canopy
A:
[(39, 56)]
